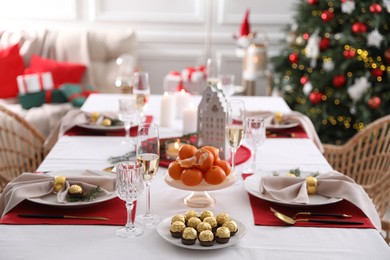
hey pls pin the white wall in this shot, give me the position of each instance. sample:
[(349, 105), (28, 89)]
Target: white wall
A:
[(173, 34)]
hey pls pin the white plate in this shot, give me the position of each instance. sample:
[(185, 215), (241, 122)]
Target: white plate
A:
[(285, 125), (252, 186), (203, 186), (164, 226), (51, 199), (101, 127)]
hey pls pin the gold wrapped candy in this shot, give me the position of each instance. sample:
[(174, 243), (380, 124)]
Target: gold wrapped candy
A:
[(311, 184), (59, 183)]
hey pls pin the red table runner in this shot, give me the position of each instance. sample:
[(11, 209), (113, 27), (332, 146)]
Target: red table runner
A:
[(263, 216), (294, 132), (114, 210)]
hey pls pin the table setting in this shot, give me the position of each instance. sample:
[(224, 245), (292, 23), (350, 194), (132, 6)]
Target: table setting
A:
[(252, 197)]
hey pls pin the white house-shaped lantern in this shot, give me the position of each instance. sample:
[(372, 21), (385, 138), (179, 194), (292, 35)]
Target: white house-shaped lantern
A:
[(212, 121)]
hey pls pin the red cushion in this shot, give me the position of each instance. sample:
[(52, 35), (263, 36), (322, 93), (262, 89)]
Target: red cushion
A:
[(11, 66), (62, 72)]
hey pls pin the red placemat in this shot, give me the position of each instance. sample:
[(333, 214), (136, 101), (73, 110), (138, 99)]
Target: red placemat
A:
[(121, 132), (114, 210), (242, 155), (294, 132), (263, 216)]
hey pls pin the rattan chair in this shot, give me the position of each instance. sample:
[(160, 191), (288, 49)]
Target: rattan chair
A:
[(21, 146), (366, 159)]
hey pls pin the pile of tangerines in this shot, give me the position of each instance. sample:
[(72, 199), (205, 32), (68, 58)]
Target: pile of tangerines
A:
[(194, 165)]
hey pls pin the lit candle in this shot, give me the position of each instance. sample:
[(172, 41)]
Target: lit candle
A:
[(190, 119), (167, 111), (182, 100), (172, 149)]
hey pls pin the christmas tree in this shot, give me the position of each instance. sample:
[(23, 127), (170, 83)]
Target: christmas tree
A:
[(336, 66)]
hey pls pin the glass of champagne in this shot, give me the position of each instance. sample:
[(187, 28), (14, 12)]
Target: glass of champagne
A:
[(141, 91), (255, 136), (148, 153), (127, 113), (129, 186), (235, 125)]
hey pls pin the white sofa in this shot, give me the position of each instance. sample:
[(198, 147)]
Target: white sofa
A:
[(97, 49)]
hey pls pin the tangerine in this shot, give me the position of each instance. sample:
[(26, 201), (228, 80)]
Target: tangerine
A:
[(175, 170), (204, 159), (225, 165), (213, 150), (191, 177), (215, 175), (186, 151), (187, 163)]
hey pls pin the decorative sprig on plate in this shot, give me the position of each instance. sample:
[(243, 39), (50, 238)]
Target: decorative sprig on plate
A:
[(295, 173), (89, 196)]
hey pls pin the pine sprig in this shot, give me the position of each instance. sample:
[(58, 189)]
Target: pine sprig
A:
[(89, 196)]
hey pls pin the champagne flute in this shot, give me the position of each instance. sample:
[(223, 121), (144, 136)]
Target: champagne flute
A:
[(212, 71), (129, 186), (255, 136), (148, 153), (235, 125), (127, 113), (141, 91)]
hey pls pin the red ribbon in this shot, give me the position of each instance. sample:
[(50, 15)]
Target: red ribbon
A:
[(49, 96), (83, 94)]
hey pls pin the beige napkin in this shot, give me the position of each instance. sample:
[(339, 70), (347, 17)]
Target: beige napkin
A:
[(33, 185), (333, 184), (292, 117)]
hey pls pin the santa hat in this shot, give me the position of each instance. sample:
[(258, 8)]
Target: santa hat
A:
[(245, 26)]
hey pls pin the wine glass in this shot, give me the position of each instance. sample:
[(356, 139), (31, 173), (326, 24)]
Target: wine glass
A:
[(148, 153), (226, 84), (127, 113), (129, 186), (235, 125), (255, 136), (141, 91), (212, 71)]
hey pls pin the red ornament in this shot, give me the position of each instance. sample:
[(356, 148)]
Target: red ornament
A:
[(375, 8), (377, 73), (387, 56), (349, 54), (294, 57), (374, 102), (312, 2), (304, 80), (315, 97), (324, 44), (339, 81), (306, 36), (359, 27), (327, 16)]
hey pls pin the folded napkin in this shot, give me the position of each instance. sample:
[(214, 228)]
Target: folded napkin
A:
[(33, 185), (333, 184), (293, 117)]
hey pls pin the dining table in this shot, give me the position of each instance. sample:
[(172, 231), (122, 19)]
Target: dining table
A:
[(261, 235)]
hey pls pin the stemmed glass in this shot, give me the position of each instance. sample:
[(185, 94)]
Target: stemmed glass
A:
[(148, 153), (141, 91), (255, 136), (235, 125), (127, 113), (129, 186)]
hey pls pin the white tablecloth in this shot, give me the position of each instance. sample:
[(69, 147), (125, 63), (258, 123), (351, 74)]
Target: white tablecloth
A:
[(260, 242)]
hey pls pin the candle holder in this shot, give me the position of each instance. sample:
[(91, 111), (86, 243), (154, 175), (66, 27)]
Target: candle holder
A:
[(172, 148)]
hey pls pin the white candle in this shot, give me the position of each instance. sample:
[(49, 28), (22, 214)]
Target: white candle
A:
[(190, 119), (167, 111), (182, 100)]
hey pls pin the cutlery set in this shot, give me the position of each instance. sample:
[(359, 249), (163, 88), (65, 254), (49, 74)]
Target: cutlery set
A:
[(293, 220)]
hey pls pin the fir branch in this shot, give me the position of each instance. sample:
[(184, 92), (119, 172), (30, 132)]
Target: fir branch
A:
[(89, 196)]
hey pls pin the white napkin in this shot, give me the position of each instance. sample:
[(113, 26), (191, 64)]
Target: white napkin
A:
[(293, 117), (332, 184), (35, 185)]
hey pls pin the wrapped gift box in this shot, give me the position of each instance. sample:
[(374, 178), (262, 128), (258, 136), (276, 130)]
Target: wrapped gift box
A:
[(37, 82), (37, 99), (77, 93), (191, 79)]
